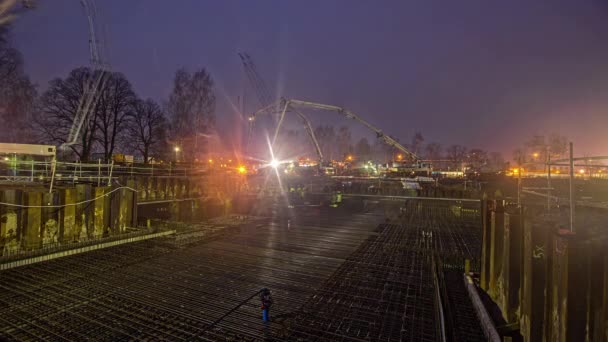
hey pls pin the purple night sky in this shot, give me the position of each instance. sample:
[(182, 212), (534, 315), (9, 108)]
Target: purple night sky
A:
[(476, 73)]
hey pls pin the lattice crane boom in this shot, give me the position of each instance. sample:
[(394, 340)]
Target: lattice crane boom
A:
[(96, 81)]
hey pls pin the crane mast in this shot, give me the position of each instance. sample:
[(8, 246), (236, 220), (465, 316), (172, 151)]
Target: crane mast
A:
[(94, 84)]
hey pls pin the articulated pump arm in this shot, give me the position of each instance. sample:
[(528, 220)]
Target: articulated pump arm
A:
[(350, 115), (283, 107), (311, 133)]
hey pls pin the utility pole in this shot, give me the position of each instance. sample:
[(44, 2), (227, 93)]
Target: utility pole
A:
[(548, 180), (571, 188), (519, 181)]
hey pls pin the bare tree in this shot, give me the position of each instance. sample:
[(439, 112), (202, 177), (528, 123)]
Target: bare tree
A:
[(477, 158), (363, 149), (191, 107), (326, 136), (538, 148), (558, 145), (456, 153), (17, 93), (496, 161), (520, 156), (344, 141), (434, 151), (113, 107), (417, 141), (386, 151), (57, 109), (147, 127)]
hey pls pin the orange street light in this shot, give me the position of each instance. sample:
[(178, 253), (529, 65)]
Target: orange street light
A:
[(242, 169)]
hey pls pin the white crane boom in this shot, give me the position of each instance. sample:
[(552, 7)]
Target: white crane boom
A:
[(274, 107), (311, 133), (348, 114)]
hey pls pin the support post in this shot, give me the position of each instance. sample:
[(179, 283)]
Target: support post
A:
[(548, 180), (110, 175), (519, 181), (571, 188), (98, 172), (496, 249)]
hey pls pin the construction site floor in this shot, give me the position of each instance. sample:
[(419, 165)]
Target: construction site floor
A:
[(152, 290), (335, 275)]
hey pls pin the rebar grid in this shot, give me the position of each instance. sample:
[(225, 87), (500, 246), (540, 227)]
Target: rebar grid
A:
[(384, 291), (152, 290)]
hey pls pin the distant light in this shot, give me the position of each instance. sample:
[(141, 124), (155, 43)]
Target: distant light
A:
[(210, 160), (535, 154), (581, 171), (399, 156), (349, 157), (5, 158), (251, 118), (242, 169), (176, 149), (274, 163)]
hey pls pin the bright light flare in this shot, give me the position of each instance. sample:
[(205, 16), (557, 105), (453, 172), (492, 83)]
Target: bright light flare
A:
[(275, 163), (242, 170)]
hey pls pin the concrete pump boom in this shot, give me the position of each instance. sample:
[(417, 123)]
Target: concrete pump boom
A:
[(311, 133), (292, 103), (272, 109)]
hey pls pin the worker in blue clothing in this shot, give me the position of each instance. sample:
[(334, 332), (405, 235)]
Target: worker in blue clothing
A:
[(266, 299)]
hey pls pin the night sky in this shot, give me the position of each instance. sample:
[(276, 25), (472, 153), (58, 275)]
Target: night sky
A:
[(478, 73)]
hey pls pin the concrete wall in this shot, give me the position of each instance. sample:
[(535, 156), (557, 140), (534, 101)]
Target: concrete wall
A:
[(550, 283)]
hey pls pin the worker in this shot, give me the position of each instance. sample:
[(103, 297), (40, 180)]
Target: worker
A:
[(266, 300), (292, 195)]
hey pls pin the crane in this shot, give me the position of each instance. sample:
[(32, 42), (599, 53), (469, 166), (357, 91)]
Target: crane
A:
[(265, 100), (293, 104), (95, 83), (257, 83), (275, 108)]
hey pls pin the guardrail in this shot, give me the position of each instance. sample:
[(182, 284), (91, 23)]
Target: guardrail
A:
[(39, 255)]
